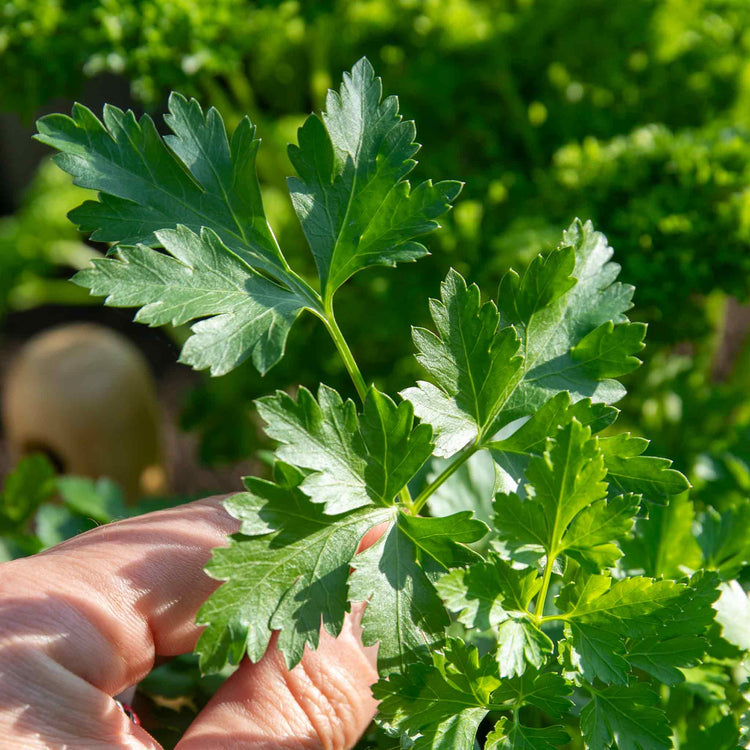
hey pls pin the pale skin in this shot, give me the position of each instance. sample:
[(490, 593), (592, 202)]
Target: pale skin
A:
[(85, 620)]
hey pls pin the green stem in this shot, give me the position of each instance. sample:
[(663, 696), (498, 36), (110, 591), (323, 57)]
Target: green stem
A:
[(329, 320), (461, 458), (542, 598)]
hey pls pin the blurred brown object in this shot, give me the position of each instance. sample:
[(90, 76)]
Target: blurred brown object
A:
[(83, 395)]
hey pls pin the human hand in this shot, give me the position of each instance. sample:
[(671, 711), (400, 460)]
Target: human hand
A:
[(83, 621)]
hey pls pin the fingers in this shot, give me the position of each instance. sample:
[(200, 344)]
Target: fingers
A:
[(324, 702), (84, 620)]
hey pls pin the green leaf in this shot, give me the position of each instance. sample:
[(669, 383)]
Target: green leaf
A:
[(473, 364), (521, 643), (26, 488), (286, 570), (546, 691), (559, 321), (404, 613), (491, 365), (242, 313), (628, 717), (597, 653), (562, 483), (355, 206), (531, 437), (99, 499), (198, 179), (494, 596), (487, 593), (196, 194), (545, 281), (607, 352), (630, 607), (664, 543), (441, 704), (660, 657), (509, 735), (356, 459), (589, 538), (629, 471), (444, 540)]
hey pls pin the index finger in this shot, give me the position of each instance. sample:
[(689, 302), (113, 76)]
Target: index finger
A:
[(105, 604)]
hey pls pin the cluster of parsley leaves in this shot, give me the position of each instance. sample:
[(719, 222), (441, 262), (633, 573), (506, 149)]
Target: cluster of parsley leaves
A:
[(551, 624)]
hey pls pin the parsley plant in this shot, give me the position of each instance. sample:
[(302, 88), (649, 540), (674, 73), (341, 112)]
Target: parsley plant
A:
[(520, 612)]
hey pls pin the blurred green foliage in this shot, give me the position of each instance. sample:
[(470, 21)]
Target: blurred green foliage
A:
[(633, 114)]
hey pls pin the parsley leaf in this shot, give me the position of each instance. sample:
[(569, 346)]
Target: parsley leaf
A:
[(243, 313), (355, 206), (395, 576), (356, 459), (629, 471), (628, 716), (287, 569), (559, 328)]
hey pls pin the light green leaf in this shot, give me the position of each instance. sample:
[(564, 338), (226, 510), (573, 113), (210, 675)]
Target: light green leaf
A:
[(355, 206), (629, 471), (628, 717), (242, 313), (607, 352), (286, 570), (473, 364), (356, 459), (509, 735)]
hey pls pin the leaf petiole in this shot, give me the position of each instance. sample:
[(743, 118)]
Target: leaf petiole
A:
[(460, 458)]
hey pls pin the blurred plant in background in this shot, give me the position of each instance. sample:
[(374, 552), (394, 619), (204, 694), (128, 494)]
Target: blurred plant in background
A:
[(634, 114)]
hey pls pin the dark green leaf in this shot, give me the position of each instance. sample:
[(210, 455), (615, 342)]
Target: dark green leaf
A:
[(286, 570), (356, 460), (242, 313), (629, 717), (473, 364), (355, 206), (509, 735)]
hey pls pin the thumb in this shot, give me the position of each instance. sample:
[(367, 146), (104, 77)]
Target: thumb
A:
[(324, 702)]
